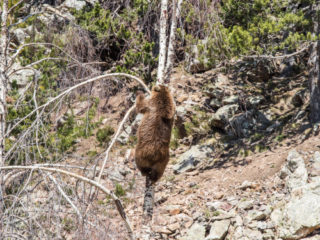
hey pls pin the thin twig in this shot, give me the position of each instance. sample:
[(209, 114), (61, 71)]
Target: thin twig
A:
[(115, 137), (66, 197)]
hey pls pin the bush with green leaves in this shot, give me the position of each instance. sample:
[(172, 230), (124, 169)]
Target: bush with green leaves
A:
[(117, 38), (235, 28), (265, 26), (104, 135)]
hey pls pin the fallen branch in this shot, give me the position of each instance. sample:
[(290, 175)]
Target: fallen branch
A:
[(277, 57)]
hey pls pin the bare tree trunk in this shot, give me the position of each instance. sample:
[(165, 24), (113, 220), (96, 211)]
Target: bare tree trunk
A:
[(3, 90), (176, 9), (162, 41), (314, 76), (3, 76)]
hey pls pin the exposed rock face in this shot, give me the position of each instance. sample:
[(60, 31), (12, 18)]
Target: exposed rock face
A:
[(301, 214), (245, 124), (191, 158), (294, 171), (223, 115)]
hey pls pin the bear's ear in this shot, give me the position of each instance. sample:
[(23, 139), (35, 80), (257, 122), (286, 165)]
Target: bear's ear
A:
[(156, 88)]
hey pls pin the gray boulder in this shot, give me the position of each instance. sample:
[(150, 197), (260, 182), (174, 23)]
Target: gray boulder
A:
[(294, 171), (301, 215), (76, 4), (230, 100), (244, 124), (20, 35), (221, 118), (21, 77), (218, 230), (191, 158)]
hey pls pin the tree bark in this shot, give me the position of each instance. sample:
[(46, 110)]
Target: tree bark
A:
[(314, 75), (3, 75), (162, 41), (3, 91), (176, 9)]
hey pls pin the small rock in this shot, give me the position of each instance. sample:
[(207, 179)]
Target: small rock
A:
[(261, 225), (20, 34), (230, 100), (255, 215), (246, 184), (161, 229), (214, 206), (182, 98), (174, 211), (218, 195), (215, 103), (222, 81), (76, 4), (218, 230), (246, 205), (268, 235), (222, 215), (255, 100), (173, 227)]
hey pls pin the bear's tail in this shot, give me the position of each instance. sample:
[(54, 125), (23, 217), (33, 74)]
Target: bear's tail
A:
[(148, 199)]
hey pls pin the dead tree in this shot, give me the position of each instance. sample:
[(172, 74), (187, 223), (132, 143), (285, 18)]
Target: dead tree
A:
[(314, 75)]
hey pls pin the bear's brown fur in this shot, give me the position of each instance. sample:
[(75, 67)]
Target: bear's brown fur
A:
[(152, 150)]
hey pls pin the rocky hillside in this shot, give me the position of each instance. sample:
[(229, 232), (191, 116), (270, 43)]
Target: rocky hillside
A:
[(237, 169), (244, 153)]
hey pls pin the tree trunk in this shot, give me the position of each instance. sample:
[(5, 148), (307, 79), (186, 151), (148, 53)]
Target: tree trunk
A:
[(3, 91), (172, 39), (314, 76), (3, 76), (162, 41)]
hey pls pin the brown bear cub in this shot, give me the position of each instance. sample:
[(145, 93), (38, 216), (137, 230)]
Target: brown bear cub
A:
[(152, 150)]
